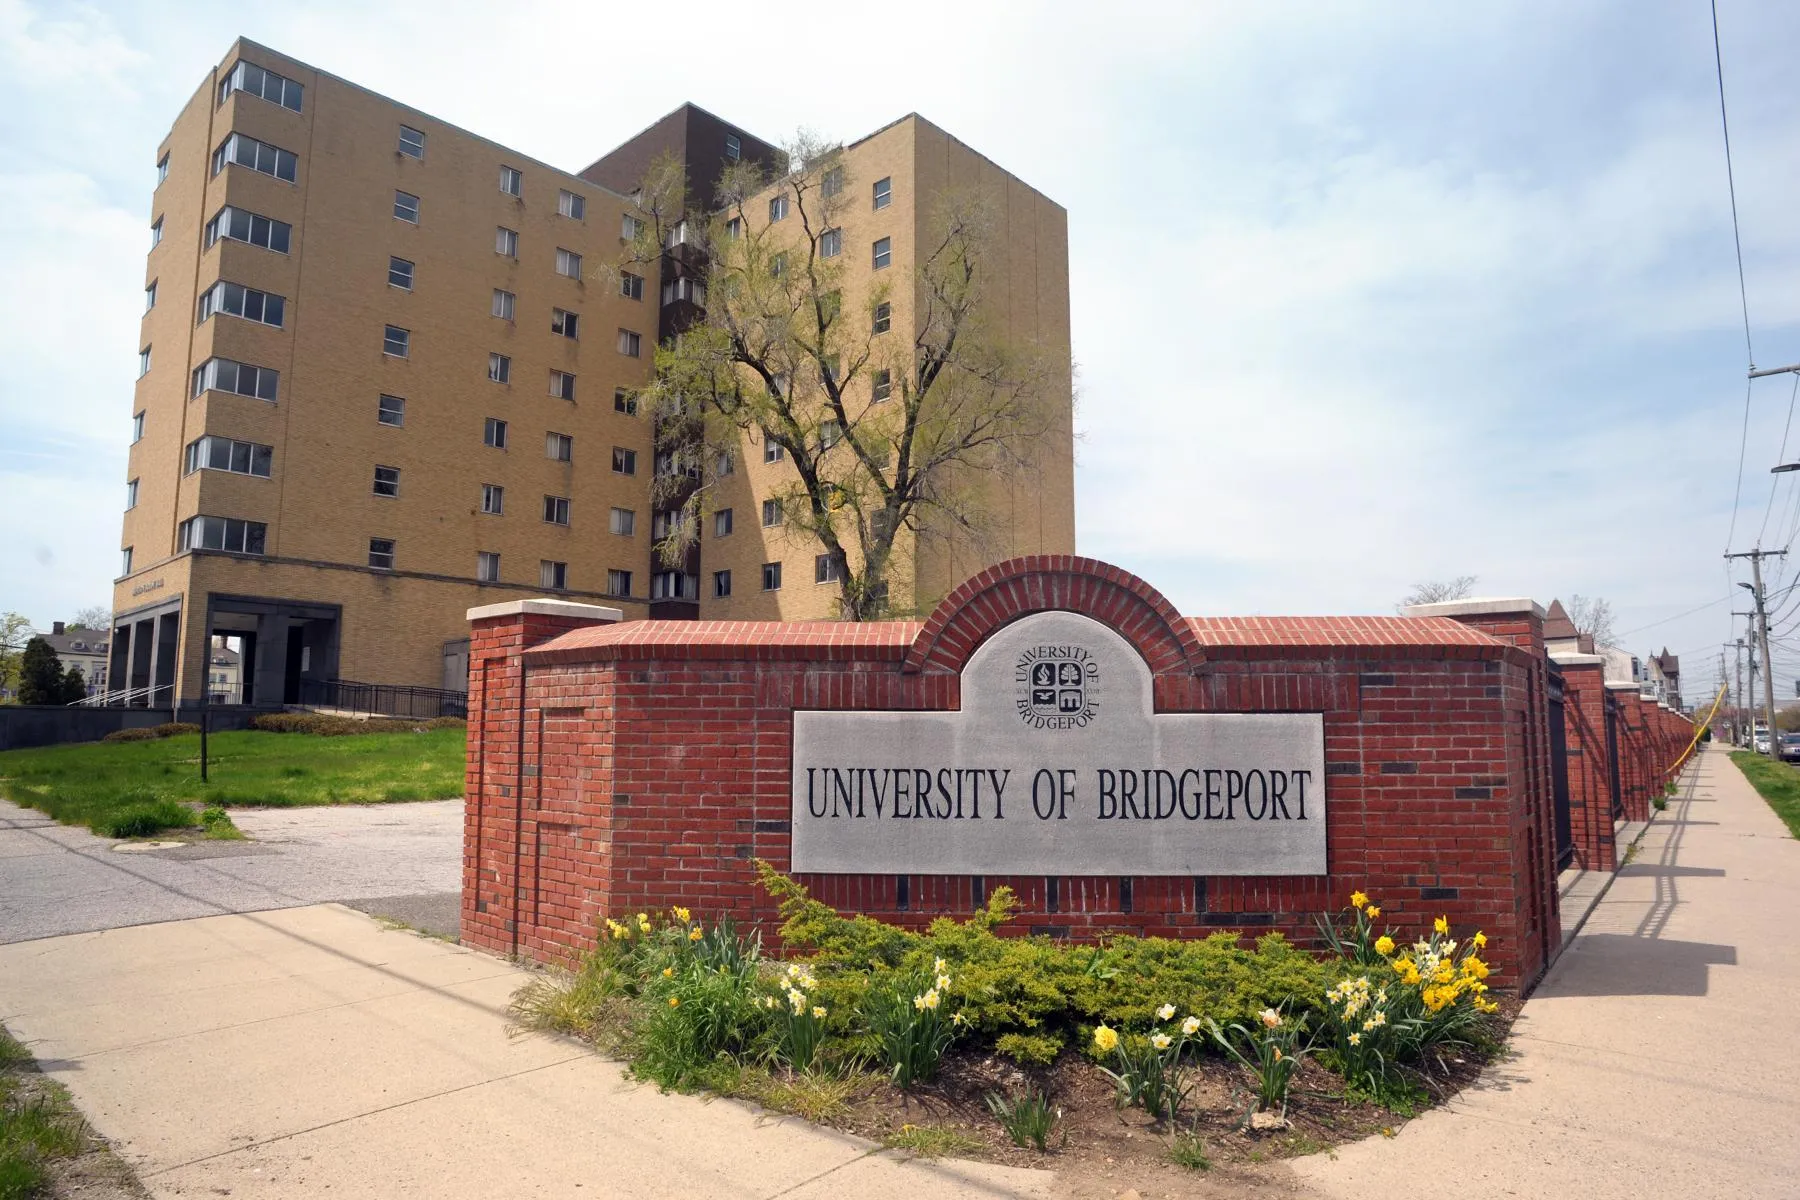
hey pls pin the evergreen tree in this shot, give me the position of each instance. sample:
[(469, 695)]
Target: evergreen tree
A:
[(74, 685), (40, 674)]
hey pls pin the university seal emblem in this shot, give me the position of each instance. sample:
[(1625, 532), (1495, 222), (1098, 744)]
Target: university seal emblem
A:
[(1058, 687)]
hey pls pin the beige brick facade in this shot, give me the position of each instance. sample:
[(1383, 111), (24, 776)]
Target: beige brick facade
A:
[(318, 505)]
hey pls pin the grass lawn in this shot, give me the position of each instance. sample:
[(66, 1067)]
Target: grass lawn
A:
[(133, 789), (37, 1124), (1778, 783)]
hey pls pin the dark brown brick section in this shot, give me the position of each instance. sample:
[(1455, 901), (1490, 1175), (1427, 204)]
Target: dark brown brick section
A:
[(693, 723)]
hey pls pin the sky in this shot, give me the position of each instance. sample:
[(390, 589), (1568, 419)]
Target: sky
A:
[(1363, 295)]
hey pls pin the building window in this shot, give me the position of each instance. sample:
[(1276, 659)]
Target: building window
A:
[(773, 452), (568, 263), (884, 192), (396, 341), (412, 142), (499, 368), (571, 205), (125, 561), (503, 304), (631, 286), (553, 575), (734, 149), (493, 433), (630, 344), (391, 411), (150, 296), (884, 317), (562, 385), (734, 228), (387, 481), (493, 500), (556, 510), (566, 323), (830, 434), (222, 533), (771, 512), (721, 584), (674, 585), (722, 523), (406, 206), (825, 569), (618, 583), (625, 402), (264, 159), (624, 462), (242, 226), (778, 207), (381, 553), (882, 387), (831, 243), (259, 81), (131, 495), (400, 273), (487, 566), (664, 523), (143, 362), (162, 169), (506, 241), (832, 182), (214, 453), (777, 264), (156, 233), (240, 301), (511, 182), (559, 447), (883, 252), (630, 228), (224, 375), (771, 577), (137, 428), (623, 522)]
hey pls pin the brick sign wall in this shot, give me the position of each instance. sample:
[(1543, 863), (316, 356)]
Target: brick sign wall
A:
[(628, 767)]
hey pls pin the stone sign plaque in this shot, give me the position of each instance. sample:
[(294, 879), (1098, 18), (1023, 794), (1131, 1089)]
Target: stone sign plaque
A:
[(1057, 765)]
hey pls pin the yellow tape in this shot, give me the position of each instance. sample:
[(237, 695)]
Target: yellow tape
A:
[(1700, 727)]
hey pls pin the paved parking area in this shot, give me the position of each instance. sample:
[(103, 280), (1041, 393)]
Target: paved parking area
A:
[(59, 879)]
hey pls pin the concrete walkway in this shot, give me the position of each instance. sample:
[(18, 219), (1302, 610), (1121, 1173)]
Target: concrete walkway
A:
[(1661, 1057), (310, 1052)]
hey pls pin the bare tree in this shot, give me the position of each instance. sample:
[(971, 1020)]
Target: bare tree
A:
[(1440, 591), (1592, 615), (894, 411), (96, 618)]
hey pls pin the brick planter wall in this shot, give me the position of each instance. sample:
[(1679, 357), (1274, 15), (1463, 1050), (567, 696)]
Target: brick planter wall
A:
[(625, 768)]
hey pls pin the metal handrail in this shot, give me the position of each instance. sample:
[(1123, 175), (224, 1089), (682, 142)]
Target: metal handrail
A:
[(122, 696), (384, 699)]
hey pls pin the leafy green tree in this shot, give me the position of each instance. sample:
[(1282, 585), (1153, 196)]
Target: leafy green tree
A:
[(41, 677), (15, 630), (896, 412)]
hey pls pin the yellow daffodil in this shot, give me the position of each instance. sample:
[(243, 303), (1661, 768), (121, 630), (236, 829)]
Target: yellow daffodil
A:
[(1442, 925), (682, 914), (1384, 945), (1354, 1039), (959, 1019), (1277, 1050), (1191, 1026), (1480, 939), (1165, 1012), (1358, 899), (937, 966), (674, 1001), (1106, 1039), (668, 972), (931, 999), (818, 1013), (1270, 1018), (694, 934), (1162, 1041), (943, 983), (1372, 912)]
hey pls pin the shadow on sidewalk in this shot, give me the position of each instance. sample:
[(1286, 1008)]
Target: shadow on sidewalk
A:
[(1618, 964)]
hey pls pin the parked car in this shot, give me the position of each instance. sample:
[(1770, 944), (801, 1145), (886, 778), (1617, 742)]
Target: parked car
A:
[(1790, 747), (1760, 741)]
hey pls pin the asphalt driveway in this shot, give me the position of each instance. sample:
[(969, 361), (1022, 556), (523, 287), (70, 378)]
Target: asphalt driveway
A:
[(401, 860)]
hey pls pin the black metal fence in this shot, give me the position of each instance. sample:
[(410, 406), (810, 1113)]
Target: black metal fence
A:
[(383, 699)]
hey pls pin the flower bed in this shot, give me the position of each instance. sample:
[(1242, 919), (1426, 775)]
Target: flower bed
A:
[(960, 1040)]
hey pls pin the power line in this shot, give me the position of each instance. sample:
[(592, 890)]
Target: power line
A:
[(1780, 458), (1690, 612), (1731, 184)]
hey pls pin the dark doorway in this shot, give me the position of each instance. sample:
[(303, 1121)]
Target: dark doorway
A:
[(296, 654), (1559, 771), (1612, 757)]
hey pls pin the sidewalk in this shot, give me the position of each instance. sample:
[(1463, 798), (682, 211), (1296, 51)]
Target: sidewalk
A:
[(309, 1052), (1661, 1057)]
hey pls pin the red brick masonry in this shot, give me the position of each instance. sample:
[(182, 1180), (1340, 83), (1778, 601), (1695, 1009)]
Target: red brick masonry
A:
[(617, 768)]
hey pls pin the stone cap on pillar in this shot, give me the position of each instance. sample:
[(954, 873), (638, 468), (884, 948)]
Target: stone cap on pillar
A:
[(1479, 607), (1568, 658), (546, 607), (1622, 685)]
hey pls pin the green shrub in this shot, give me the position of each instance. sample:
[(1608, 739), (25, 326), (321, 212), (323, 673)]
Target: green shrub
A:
[(144, 817), (150, 733)]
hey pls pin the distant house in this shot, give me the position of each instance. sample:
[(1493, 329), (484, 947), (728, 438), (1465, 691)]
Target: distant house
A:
[(85, 649), (1561, 636), (224, 674), (1665, 678)]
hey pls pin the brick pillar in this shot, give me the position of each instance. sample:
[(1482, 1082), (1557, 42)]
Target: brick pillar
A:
[(1634, 793), (498, 635), (1519, 621), (1590, 787)]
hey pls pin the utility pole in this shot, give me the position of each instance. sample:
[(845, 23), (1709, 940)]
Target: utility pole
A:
[(1737, 695), (1762, 620)]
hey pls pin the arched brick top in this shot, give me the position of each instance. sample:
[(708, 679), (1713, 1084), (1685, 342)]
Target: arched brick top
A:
[(1036, 583)]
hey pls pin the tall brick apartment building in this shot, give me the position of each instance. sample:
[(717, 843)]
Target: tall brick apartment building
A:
[(386, 377)]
